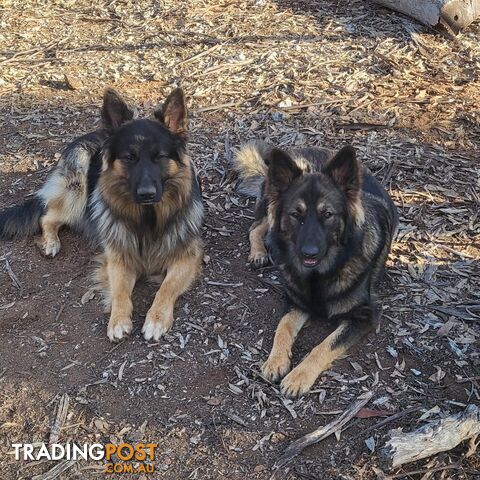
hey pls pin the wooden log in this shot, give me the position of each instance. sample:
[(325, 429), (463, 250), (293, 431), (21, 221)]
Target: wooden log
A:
[(435, 437), (450, 16)]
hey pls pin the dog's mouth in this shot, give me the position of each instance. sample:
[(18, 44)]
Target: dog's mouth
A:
[(310, 262)]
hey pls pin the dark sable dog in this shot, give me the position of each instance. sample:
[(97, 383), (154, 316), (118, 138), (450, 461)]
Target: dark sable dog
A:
[(132, 184), (328, 225)]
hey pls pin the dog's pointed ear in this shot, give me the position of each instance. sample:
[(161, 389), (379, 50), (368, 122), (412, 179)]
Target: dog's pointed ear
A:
[(344, 168), (282, 170), (115, 112), (346, 172), (173, 113)]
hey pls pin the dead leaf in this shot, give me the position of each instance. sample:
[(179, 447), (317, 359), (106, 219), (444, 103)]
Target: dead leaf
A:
[(369, 413)]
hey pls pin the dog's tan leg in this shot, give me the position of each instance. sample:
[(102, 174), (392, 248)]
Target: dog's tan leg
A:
[(51, 223), (121, 281), (179, 277), (258, 253), (301, 378), (278, 363)]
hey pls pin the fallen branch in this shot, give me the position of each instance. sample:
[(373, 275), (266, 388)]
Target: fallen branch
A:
[(383, 422), (13, 277), (453, 466), (60, 418), (323, 432), (435, 437), (56, 471)]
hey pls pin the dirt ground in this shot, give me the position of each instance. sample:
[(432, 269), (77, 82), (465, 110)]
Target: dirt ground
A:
[(296, 73)]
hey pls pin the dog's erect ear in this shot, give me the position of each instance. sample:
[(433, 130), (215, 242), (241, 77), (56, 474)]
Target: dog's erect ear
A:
[(282, 170), (115, 112), (345, 170), (173, 113)]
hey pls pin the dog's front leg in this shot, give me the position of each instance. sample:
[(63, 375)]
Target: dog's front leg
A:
[(350, 331), (121, 281), (180, 275), (278, 363), (258, 253)]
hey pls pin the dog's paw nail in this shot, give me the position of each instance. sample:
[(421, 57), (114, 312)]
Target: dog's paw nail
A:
[(275, 369), (296, 384), (118, 330), (258, 260), (50, 249), (154, 330)]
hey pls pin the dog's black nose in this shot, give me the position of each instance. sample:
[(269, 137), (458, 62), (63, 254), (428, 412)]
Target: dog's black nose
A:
[(310, 251), (146, 193)]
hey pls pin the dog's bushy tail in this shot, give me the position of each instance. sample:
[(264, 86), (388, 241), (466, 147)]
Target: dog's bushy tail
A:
[(251, 165), (21, 220)]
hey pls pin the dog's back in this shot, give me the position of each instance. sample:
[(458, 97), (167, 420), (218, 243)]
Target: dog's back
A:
[(65, 193)]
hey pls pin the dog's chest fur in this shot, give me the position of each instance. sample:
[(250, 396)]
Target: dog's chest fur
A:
[(326, 296), (146, 244)]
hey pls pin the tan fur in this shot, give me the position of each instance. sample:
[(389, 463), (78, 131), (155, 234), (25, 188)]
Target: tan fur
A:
[(180, 274), (50, 224), (172, 168), (258, 252), (250, 159), (118, 168), (121, 281), (177, 190), (115, 192), (357, 211), (65, 196), (117, 279), (278, 363), (301, 378), (271, 212), (301, 207)]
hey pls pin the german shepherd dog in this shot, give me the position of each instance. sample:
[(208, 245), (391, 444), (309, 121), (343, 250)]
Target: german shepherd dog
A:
[(133, 185), (328, 225)]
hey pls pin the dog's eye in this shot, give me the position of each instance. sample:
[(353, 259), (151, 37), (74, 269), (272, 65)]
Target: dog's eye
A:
[(296, 215), (327, 214)]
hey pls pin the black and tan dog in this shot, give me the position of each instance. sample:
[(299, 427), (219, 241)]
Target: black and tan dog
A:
[(328, 226), (133, 185)]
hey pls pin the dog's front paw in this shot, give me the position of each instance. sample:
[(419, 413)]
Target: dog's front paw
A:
[(259, 259), (298, 382), (276, 367), (119, 328), (157, 323), (49, 247)]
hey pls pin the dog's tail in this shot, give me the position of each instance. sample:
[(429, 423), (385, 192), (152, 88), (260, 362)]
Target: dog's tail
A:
[(251, 165), (21, 220)]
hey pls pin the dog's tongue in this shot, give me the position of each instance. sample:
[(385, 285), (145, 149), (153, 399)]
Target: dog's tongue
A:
[(310, 262)]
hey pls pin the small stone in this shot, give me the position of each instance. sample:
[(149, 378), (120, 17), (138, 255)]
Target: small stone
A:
[(72, 82), (277, 437)]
